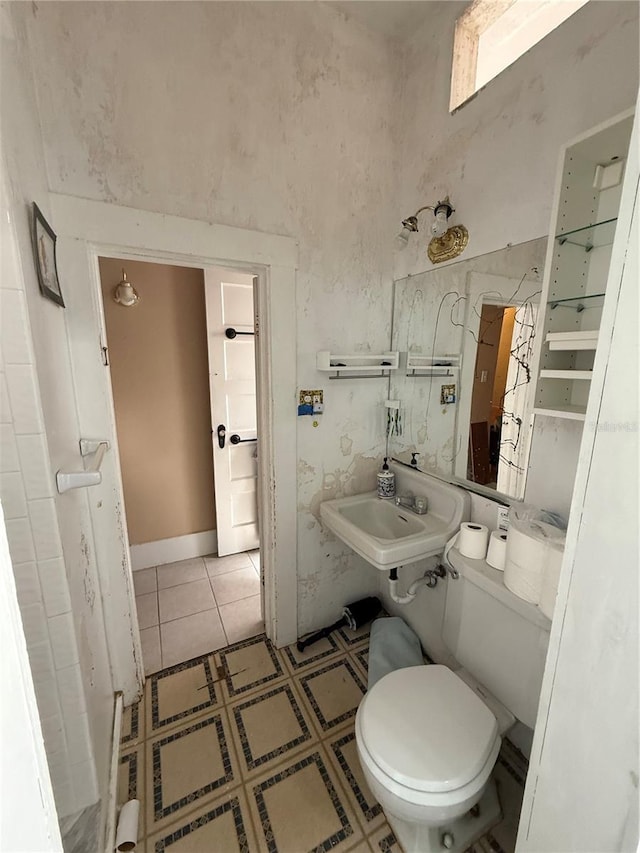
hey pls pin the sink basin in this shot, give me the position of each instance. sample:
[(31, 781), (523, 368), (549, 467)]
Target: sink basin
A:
[(388, 536)]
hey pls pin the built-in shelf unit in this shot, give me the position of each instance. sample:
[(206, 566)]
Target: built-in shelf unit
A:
[(577, 269)]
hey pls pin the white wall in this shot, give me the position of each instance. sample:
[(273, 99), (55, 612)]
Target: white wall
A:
[(28, 820), (280, 120), (50, 537)]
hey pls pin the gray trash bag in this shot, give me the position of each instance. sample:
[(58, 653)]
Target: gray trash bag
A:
[(392, 645)]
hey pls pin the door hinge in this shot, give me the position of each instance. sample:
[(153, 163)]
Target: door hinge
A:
[(105, 356)]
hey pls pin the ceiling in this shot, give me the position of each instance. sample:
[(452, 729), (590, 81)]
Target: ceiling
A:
[(393, 18)]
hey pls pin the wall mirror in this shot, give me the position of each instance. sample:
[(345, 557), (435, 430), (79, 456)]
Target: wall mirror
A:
[(462, 399)]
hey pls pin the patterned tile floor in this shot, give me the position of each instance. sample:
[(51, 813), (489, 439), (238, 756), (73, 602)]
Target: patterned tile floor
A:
[(253, 749)]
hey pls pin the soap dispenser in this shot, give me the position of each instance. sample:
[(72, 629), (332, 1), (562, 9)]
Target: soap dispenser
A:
[(386, 482)]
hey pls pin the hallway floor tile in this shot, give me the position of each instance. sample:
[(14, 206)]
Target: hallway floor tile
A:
[(251, 749), (195, 606)]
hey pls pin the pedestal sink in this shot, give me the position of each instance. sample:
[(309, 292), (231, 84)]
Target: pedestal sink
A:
[(388, 536)]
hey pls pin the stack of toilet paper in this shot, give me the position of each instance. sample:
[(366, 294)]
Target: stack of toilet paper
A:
[(533, 559)]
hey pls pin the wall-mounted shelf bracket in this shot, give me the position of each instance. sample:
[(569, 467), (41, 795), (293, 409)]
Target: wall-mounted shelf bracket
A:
[(93, 451)]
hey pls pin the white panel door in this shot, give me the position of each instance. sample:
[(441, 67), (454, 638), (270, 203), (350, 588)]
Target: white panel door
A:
[(232, 384)]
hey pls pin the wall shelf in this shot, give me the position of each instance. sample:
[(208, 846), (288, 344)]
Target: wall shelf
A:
[(572, 413), (589, 237), (432, 365), (355, 365), (566, 374), (573, 341), (577, 302)]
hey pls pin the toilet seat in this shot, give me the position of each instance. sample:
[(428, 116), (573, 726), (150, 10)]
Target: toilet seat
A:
[(424, 731)]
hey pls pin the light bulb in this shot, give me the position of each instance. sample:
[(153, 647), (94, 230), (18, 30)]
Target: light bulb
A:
[(125, 293), (402, 238), (440, 222)]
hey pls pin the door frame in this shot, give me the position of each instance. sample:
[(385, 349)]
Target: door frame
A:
[(89, 229)]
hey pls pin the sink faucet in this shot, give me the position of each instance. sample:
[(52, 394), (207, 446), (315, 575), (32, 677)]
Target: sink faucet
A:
[(415, 504)]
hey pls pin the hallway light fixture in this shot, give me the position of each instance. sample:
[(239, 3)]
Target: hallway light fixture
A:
[(125, 293), (446, 242)]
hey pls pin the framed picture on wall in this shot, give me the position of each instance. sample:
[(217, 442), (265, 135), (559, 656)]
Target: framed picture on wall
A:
[(44, 244)]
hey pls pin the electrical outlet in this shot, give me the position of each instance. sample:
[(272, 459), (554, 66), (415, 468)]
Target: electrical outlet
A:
[(311, 397), (503, 518), (447, 394), (311, 402)]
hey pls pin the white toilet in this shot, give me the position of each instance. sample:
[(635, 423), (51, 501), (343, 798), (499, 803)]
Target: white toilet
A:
[(428, 737)]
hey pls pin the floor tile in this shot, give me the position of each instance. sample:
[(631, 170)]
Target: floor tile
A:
[(144, 581), (185, 571), (147, 609), (254, 556), (343, 754), (249, 664), (269, 727), (383, 840), (510, 776), (185, 599), (180, 693), (360, 659), (323, 649), (222, 565), (219, 826), (151, 650), (233, 586), (191, 637), (242, 619), (351, 638), (301, 807), (132, 730), (187, 765), (333, 693)]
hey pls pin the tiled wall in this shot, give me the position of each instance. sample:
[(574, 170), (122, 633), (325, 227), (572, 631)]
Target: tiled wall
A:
[(27, 488)]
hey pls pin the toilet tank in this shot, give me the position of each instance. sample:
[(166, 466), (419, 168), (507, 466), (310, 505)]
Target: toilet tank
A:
[(499, 638)]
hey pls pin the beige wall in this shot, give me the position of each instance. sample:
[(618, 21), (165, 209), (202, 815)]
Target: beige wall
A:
[(159, 372)]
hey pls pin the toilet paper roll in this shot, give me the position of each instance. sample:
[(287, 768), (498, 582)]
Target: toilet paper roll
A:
[(496, 555), (472, 540), (528, 549), (127, 832), (550, 580)]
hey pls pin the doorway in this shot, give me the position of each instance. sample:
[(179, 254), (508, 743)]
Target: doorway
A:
[(487, 397), (184, 493), (91, 229)]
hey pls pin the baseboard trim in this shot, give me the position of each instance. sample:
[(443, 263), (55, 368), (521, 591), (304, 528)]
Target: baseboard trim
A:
[(171, 550)]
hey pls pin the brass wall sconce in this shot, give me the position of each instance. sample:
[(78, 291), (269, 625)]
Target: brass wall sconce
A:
[(446, 242)]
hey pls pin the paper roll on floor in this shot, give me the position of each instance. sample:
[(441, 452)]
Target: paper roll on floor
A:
[(497, 553), (127, 832), (472, 540)]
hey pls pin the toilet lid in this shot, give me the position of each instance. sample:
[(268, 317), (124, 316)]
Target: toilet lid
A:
[(427, 729)]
